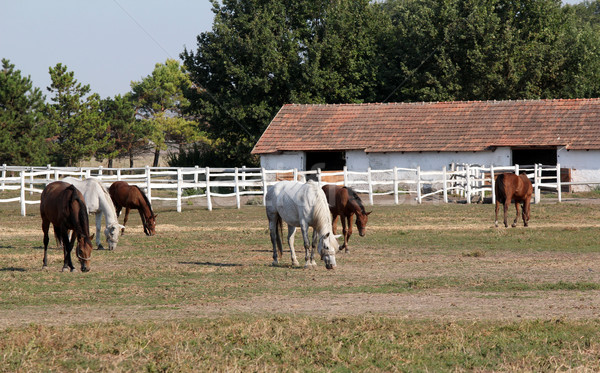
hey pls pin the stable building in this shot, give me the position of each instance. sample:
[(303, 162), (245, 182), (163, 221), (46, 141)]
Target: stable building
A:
[(436, 134)]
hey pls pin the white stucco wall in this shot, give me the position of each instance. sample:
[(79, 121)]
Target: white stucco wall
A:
[(584, 165), (283, 161)]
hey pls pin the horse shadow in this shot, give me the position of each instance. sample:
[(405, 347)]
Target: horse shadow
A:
[(12, 269), (212, 264)]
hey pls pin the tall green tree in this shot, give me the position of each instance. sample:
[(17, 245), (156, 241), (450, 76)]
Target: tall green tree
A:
[(129, 135), (160, 101), (76, 118), (262, 54), (22, 121)]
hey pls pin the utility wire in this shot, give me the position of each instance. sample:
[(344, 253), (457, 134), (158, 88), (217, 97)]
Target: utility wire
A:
[(252, 137)]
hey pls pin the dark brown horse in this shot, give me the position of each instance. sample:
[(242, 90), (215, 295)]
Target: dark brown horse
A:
[(63, 206), (510, 187), (344, 202), (132, 197)]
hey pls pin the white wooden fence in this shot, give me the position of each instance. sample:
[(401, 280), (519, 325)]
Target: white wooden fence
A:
[(466, 181)]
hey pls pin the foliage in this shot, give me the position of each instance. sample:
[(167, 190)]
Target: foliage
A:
[(128, 134), (76, 120), (22, 120), (160, 102), (263, 54)]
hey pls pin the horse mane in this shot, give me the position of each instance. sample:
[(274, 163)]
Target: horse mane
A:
[(145, 199), (354, 197), (321, 213)]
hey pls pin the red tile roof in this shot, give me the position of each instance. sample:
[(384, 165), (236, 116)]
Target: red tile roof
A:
[(436, 126)]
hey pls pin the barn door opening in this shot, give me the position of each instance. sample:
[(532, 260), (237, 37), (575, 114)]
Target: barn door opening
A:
[(326, 161), (527, 158)]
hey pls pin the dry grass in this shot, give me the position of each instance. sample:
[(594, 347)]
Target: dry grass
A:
[(430, 287)]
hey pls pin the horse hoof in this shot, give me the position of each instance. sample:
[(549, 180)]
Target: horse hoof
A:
[(514, 225), (295, 264), (275, 263), (100, 247)]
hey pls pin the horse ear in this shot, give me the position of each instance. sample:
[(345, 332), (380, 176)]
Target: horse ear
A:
[(337, 236), (92, 236), (121, 226), (367, 213), (155, 215)]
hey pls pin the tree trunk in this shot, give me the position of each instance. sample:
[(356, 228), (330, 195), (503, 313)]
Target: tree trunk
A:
[(130, 159), (156, 157)]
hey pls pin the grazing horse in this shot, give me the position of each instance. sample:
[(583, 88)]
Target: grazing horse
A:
[(510, 187), (132, 197), (301, 205), (63, 206), (98, 201), (344, 202)]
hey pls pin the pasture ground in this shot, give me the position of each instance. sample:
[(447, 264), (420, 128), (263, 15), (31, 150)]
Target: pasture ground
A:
[(431, 287)]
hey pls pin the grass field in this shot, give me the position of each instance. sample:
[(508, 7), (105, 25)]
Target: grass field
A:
[(430, 288)]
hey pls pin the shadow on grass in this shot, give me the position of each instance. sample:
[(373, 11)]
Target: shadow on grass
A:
[(12, 269), (212, 264)]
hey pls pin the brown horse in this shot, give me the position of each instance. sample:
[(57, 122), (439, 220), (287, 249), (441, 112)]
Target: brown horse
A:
[(63, 206), (132, 197), (510, 187), (344, 202)]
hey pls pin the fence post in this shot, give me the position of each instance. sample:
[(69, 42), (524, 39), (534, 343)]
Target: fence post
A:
[(3, 175), (244, 177), (23, 204), (264, 181), (370, 179), (179, 191), (118, 174), (100, 171), (419, 199), (148, 184), (493, 184), (345, 176), (31, 182), (319, 178), (536, 181), (208, 197), (196, 176), (516, 169), (558, 183), (237, 188), (295, 173), (395, 185), (468, 180), (445, 186)]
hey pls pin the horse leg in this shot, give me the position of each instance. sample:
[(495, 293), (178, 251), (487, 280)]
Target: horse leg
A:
[(127, 209), (506, 204), (67, 246), (334, 224), (497, 208), (45, 227), (98, 228), (517, 205), (344, 232), (309, 261), (290, 237), (118, 210), (275, 237), (526, 212), (349, 233)]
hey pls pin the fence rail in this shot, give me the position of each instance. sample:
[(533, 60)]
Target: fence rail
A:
[(463, 180)]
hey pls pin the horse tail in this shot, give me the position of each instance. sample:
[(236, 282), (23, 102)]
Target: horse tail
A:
[(280, 233), (80, 223), (500, 188)]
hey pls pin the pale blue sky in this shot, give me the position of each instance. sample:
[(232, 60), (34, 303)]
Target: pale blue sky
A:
[(99, 40), (106, 43)]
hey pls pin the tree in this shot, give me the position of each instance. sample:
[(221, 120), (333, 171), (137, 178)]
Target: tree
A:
[(160, 101), (76, 119), (22, 120), (129, 135), (263, 54)]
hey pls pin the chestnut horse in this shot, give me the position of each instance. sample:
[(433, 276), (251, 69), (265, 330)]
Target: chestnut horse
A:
[(344, 202), (63, 206), (132, 197), (510, 187)]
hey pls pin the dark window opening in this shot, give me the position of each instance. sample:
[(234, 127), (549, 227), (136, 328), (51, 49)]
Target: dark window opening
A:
[(527, 158), (326, 161)]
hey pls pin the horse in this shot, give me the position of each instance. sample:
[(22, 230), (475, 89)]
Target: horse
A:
[(63, 205), (301, 205), (132, 197), (344, 202), (510, 187), (98, 201)]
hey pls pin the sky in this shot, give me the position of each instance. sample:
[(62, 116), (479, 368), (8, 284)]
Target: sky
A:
[(106, 43)]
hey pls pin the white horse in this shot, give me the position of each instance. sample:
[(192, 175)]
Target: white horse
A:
[(98, 201), (301, 205)]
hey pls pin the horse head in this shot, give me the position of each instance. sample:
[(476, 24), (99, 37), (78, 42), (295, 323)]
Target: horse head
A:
[(327, 247), (84, 251), (112, 233), (150, 224), (361, 223)]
